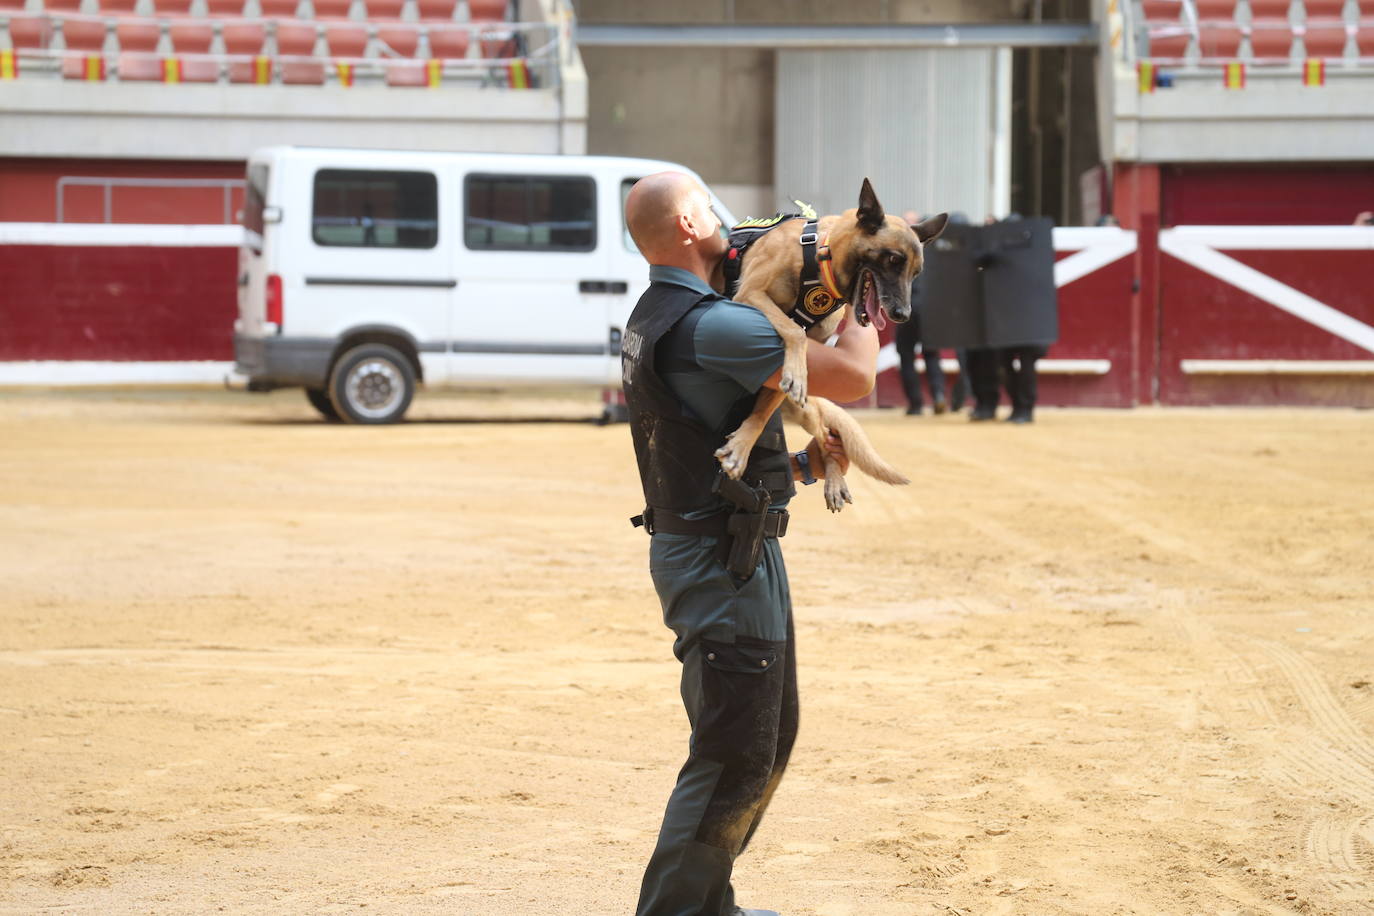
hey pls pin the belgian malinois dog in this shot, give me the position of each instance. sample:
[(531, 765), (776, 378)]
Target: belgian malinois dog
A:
[(873, 257)]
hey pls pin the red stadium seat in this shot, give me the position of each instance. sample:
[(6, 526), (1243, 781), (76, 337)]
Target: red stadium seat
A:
[(436, 10), (172, 7), (283, 9), (1219, 41), (332, 9), (1324, 39), (83, 67), (232, 8), (448, 42), (401, 39), (31, 31), (139, 68), (383, 10), (84, 34), (1161, 10), (15, 5), (1169, 43), (1323, 9), (297, 39), (1270, 39), (1269, 9), (118, 7), (346, 40), (194, 37), (137, 35), (1216, 10), (486, 10), (61, 6), (244, 37)]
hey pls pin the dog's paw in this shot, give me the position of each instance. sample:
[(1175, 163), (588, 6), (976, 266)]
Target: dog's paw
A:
[(731, 461), (836, 493), (794, 386)]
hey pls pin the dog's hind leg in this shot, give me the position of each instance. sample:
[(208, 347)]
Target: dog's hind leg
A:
[(734, 454), (812, 418)]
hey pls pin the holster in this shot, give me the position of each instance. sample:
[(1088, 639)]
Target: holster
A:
[(748, 524)]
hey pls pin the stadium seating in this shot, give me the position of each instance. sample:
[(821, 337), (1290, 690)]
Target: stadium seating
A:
[(436, 10), (487, 10), (244, 41), (62, 6), (31, 31), (345, 39), (172, 7), (331, 9), (194, 38), (1269, 10), (1270, 39), (15, 5), (383, 10), (1219, 41), (118, 7), (1324, 39)]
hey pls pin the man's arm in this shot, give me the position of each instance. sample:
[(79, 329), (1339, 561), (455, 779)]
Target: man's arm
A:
[(844, 372)]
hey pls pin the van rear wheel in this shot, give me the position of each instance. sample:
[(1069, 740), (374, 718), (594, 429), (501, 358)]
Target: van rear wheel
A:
[(372, 383), (319, 399)]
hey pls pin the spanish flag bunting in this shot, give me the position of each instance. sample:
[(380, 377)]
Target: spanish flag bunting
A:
[(171, 69), (433, 68), (519, 73), (1145, 70), (9, 65), (1314, 72), (345, 70), (1235, 75), (262, 70), (93, 68)]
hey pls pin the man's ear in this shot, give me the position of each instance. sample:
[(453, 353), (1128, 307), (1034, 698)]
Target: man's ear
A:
[(870, 211), (928, 229)]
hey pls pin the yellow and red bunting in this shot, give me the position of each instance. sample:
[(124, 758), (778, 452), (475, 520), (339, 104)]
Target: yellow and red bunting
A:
[(93, 68), (1145, 71), (1314, 72), (518, 73), (345, 71), (433, 68), (262, 70), (171, 69), (1234, 75), (9, 65)]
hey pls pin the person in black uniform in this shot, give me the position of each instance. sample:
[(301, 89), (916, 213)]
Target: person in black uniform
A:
[(907, 340), (1019, 378), (692, 364)]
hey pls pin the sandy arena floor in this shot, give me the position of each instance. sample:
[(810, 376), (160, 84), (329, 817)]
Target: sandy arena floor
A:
[(1118, 662)]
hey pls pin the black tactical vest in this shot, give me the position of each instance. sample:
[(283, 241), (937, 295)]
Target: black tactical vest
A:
[(675, 450)]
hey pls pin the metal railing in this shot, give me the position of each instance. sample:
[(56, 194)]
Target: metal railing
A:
[(228, 186)]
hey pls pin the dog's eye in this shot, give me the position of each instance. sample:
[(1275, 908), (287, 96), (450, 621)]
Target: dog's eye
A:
[(896, 260)]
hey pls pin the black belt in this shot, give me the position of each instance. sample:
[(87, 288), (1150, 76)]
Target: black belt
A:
[(660, 520)]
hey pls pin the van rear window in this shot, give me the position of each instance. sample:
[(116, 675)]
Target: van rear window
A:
[(530, 212), (360, 208)]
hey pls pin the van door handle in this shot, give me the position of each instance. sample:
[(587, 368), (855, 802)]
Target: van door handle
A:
[(612, 287)]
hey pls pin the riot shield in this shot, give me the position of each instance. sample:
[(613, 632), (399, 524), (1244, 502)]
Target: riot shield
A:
[(951, 315)]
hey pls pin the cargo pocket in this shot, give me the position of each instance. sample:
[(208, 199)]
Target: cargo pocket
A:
[(744, 656)]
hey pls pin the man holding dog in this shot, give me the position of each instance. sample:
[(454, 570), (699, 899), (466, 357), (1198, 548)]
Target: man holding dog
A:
[(693, 364)]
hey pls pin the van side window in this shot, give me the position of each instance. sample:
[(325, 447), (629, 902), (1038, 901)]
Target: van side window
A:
[(359, 208), (530, 212)]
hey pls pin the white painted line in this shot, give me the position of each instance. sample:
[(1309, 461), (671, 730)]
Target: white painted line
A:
[(1274, 238), (887, 359), (77, 372), (1076, 238), (1277, 366), (1263, 286), (125, 234), (1092, 258)]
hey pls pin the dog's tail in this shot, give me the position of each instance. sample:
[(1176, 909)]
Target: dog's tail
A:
[(857, 445)]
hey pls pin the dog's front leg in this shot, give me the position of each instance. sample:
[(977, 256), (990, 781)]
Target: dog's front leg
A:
[(734, 454), (792, 382)]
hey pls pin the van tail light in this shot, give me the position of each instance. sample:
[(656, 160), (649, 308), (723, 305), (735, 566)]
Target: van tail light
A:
[(274, 299)]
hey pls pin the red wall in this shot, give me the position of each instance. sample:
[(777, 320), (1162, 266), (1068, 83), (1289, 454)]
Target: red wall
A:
[(1273, 195), (66, 302), (28, 192)]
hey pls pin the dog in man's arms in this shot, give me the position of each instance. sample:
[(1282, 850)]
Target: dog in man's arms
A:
[(867, 261)]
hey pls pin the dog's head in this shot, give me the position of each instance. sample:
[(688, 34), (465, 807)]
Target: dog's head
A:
[(878, 256)]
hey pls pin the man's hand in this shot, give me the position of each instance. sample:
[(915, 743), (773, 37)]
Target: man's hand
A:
[(834, 447)]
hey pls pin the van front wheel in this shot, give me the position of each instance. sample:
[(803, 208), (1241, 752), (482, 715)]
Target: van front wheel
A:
[(372, 383)]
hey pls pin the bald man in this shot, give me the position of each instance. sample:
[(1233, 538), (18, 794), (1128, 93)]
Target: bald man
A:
[(693, 363)]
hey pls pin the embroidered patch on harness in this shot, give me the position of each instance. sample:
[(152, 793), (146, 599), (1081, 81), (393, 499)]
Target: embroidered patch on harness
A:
[(818, 301), (764, 222)]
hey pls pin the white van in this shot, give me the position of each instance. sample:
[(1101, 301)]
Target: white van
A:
[(366, 272)]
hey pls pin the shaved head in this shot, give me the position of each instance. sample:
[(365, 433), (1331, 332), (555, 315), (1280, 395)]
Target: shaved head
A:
[(667, 212)]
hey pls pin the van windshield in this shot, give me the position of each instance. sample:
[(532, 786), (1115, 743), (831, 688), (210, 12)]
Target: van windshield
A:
[(254, 201)]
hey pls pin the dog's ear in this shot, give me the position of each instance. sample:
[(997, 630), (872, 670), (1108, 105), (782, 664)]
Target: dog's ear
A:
[(870, 211), (928, 229)]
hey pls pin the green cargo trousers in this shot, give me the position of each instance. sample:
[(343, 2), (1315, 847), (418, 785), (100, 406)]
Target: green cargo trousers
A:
[(739, 685)]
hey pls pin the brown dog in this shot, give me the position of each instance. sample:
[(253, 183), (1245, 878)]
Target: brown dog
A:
[(873, 259)]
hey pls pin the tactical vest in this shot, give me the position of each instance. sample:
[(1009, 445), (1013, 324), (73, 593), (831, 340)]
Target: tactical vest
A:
[(675, 450)]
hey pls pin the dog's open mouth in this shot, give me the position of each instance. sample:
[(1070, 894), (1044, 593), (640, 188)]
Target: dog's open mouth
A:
[(865, 299)]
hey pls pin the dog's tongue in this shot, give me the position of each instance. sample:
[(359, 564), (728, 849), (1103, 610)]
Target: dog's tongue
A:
[(872, 308)]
